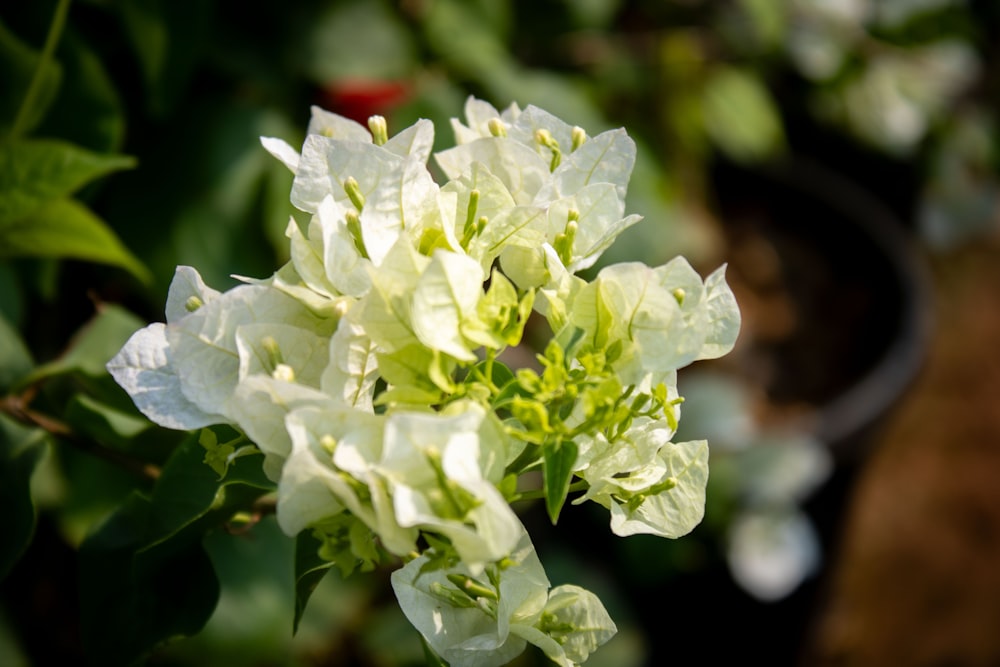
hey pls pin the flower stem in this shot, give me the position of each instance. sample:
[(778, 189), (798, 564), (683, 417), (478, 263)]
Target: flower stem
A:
[(55, 31)]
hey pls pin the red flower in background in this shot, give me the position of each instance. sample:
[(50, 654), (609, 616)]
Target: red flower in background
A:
[(359, 99)]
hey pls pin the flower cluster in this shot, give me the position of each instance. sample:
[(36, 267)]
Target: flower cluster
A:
[(370, 372)]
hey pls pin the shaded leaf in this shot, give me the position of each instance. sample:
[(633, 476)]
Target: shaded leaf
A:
[(94, 345), (35, 172), (133, 600), (66, 229), (15, 359), (20, 451), (310, 568), (145, 576)]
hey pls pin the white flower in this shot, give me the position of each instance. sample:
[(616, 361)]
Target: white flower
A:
[(435, 467), (487, 619), (459, 627)]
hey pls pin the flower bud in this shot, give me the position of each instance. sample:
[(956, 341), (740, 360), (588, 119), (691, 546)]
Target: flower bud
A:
[(353, 191), (379, 130), (497, 128)]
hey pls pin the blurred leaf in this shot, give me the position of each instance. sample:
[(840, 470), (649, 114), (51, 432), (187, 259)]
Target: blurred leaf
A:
[(103, 423), (15, 359), (462, 36), (18, 63), (87, 109), (594, 14), (557, 470), (20, 451), (36, 172), (66, 229), (360, 41), (310, 569), (94, 345), (740, 115), (168, 38), (145, 575)]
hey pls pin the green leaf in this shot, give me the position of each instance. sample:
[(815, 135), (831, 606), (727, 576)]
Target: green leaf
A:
[(36, 172), (557, 470), (103, 423), (432, 659), (20, 451), (133, 598), (310, 569), (15, 359), (66, 229), (18, 63), (93, 346), (145, 576)]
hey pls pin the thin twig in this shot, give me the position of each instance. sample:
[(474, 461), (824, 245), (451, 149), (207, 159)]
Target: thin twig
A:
[(17, 407)]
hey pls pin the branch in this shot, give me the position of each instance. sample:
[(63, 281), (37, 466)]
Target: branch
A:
[(18, 408)]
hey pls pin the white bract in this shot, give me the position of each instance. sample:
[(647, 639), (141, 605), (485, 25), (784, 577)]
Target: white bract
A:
[(367, 370)]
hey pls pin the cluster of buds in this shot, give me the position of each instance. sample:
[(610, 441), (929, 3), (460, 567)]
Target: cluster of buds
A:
[(369, 370)]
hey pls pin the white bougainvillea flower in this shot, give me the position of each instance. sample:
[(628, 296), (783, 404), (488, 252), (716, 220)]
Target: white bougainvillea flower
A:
[(445, 300), (365, 369), (673, 505), (332, 466), (665, 317), (416, 141), (353, 369), (435, 466), (183, 374), (259, 407), (478, 116), (388, 192), (488, 619), (470, 630), (573, 625)]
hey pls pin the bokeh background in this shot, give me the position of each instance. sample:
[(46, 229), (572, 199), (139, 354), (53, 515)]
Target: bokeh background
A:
[(839, 155)]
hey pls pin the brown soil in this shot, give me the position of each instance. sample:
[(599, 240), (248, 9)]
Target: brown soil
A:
[(917, 579)]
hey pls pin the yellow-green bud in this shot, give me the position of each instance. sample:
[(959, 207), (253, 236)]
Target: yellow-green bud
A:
[(353, 191), (679, 295), (497, 128), (545, 138), (579, 135), (193, 303), (379, 130)]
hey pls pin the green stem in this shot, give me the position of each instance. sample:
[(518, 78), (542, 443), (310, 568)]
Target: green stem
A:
[(55, 31)]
